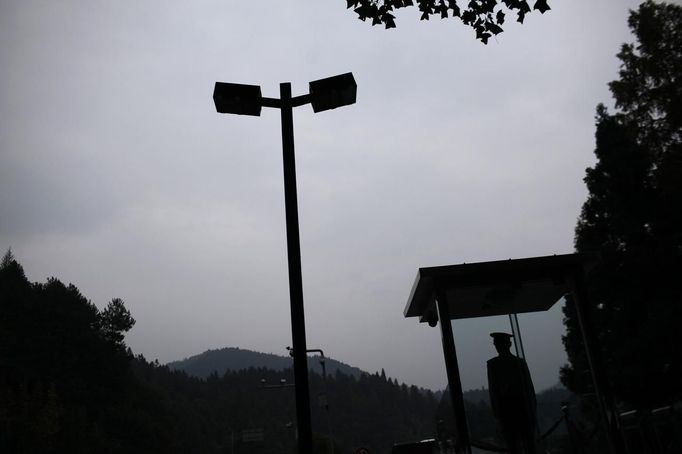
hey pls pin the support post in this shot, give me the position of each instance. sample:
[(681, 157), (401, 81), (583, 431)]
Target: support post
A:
[(305, 443), (462, 443), (594, 360)]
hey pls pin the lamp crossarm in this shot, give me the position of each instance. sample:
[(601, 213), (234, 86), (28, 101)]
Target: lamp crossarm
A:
[(277, 103), (300, 100)]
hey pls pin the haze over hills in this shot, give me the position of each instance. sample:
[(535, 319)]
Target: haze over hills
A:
[(77, 364), (234, 359)]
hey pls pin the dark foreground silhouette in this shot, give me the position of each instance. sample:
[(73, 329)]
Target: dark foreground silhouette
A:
[(68, 383), (512, 397)]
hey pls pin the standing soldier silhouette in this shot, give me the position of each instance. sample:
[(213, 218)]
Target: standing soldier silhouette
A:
[(512, 397)]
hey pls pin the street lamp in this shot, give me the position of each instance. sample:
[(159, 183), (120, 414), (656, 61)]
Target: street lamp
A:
[(323, 94), (322, 397)]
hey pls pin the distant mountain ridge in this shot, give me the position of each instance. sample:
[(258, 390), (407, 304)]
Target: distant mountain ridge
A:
[(233, 358)]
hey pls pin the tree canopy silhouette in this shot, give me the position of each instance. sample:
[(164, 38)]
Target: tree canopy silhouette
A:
[(485, 17), (68, 383), (633, 217)]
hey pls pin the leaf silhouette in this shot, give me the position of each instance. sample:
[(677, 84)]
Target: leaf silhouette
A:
[(485, 17), (541, 5), (363, 12), (494, 28)]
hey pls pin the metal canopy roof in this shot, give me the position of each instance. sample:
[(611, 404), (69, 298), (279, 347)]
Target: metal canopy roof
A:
[(495, 288)]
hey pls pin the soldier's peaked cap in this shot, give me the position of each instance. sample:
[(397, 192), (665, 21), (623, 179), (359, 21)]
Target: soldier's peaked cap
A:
[(501, 336)]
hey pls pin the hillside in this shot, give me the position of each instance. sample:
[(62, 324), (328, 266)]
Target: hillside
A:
[(70, 384), (235, 359)]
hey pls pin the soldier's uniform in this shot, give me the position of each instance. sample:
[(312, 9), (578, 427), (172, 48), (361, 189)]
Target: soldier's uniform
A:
[(512, 398)]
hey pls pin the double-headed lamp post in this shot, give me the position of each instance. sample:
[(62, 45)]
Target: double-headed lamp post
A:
[(324, 94)]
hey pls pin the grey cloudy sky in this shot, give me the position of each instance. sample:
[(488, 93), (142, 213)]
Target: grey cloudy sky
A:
[(117, 175)]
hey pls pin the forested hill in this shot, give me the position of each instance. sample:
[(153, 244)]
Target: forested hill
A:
[(233, 359), (68, 383)]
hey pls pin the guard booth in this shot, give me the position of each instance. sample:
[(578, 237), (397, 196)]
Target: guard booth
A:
[(442, 294)]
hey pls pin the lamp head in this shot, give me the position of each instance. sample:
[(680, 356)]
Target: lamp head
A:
[(333, 92), (237, 98)]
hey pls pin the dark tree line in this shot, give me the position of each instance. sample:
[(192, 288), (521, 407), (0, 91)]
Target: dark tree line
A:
[(633, 217), (68, 383), (65, 380)]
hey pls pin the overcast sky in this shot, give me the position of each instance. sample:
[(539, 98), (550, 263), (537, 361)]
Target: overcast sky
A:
[(117, 174)]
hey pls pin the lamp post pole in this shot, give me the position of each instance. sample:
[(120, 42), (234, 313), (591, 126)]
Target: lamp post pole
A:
[(324, 94), (305, 439)]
